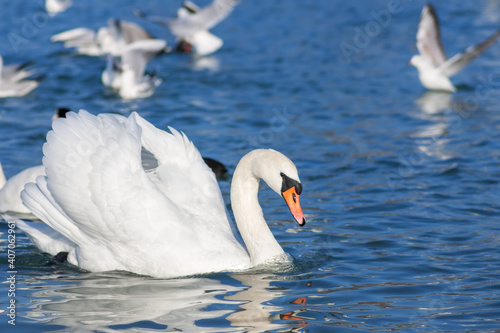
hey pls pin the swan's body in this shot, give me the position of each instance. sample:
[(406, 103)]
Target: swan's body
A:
[(167, 220), (434, 70), (192, 25)]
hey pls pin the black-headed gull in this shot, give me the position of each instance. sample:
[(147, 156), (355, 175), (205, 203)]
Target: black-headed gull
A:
[(110, 39), (434, 70), (192, 25)]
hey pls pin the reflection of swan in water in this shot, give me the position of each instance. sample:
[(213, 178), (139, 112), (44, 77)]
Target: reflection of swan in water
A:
[(109, 302), (432, 102), (99, 301), (256, 315)]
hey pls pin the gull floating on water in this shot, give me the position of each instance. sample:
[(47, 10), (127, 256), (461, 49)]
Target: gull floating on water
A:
[(433, 68), (111, 39), (192, 25)]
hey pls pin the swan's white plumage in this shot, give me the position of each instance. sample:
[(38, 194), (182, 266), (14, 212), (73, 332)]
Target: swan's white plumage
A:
[(169, 222), (10, 191), (44, 237)]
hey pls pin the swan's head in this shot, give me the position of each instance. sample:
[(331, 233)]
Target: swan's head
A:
[(279, 172)]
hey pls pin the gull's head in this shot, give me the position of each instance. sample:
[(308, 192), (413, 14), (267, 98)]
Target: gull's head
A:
[(421, 63), (415, 60)]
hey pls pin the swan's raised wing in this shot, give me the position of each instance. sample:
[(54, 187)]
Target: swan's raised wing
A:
[(96, 191), (460, 60), (137, 54), (429, 37), (184, 177)]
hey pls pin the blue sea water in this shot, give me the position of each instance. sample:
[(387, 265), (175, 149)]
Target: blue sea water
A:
[(400, 185)]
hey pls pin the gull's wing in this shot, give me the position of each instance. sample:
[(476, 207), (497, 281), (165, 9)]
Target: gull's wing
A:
[(132, 32), (211, 15), (15, 72), (203, 19), (82, 35), (460, 60), (429, 37), (17, 89), (137, 54)]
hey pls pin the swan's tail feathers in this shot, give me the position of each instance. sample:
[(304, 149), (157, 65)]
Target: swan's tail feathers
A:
[(40, 202), (44, 237), (2, 177)]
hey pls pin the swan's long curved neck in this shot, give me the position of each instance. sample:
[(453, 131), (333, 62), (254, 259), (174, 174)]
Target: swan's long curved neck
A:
[(259, 240)]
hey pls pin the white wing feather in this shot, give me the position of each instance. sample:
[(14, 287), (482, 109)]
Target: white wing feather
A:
[(44, 237), (429, 37), (204, 19), (460, 60)]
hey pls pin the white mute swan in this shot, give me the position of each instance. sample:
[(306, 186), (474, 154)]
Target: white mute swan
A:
[(434, 70), (110, 213)]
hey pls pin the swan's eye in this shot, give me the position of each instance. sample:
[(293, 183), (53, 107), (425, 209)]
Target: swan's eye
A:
[(289, 183)]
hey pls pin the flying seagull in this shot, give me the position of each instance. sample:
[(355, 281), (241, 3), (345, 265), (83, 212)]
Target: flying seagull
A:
[(434, 70), (192, 25)]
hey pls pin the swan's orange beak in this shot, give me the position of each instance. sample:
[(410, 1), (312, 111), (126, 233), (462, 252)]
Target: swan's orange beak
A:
[(292, 200)]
